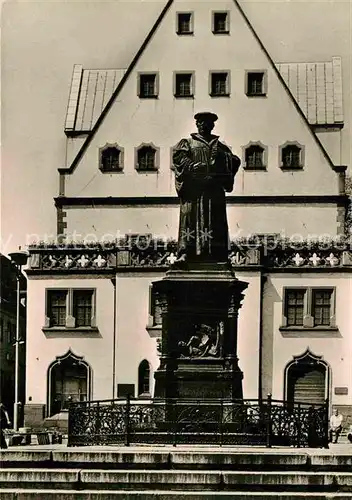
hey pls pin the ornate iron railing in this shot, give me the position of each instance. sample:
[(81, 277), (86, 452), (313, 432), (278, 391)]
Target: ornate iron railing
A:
[(261, 422)]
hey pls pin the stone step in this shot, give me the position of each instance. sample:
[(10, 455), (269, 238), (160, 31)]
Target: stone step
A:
[(18, 494), (159, 459), (75, 479)]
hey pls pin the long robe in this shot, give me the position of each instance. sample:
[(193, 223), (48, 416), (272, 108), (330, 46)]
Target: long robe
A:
[(203, 230)]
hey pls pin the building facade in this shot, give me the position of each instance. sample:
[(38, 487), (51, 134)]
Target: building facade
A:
[(93, 326)]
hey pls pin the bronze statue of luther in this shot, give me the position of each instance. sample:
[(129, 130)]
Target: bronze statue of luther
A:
[(205, 169)]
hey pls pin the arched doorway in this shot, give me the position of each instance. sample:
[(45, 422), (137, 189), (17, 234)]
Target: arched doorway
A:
[(307, 379), (69, 379), (144, 379)]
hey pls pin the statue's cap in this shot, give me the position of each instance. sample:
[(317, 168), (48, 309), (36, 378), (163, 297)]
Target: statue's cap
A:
[(206, 115)]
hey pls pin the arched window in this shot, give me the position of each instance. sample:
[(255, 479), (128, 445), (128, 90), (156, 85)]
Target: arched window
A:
[(291, 156), (111, 158), (147, 158), (69, 379), (144, 379)]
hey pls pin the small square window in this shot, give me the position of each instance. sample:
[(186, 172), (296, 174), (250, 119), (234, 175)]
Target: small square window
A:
[(291, 157), (254, 157), (221, 23), (111, 158), (184, 23), (255, 84), (183, 85), (219, 85), (148, 85), (146, 159)]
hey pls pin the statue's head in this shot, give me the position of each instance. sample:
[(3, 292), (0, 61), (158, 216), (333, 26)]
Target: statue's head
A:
[(205, 122)]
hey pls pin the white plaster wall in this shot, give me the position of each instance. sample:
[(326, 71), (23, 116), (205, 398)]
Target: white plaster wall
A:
[(133, 341), (73, 145), (95, 224), (42, 351), (331, 140), (335, 347), (248, 334), (272, 120)]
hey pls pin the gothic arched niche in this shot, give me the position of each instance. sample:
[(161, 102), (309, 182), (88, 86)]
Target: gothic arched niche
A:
[(69, 379), (307, 379)]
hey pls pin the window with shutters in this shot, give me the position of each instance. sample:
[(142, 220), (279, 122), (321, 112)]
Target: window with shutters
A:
[(70, 309), (309, 308)]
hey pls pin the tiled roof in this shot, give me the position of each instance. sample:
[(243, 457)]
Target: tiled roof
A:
[(90, 90), (317, 88)]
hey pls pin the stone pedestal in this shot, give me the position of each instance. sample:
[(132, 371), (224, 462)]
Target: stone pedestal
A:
[(199, 307)]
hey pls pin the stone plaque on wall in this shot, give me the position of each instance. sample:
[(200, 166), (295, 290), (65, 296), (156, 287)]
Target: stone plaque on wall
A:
[(124, 390), (341, 391)]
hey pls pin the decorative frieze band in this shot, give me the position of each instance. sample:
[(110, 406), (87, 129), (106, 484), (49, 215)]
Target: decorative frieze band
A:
[(153, 254)]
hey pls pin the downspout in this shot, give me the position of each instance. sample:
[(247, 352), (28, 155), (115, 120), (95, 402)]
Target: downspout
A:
[(261, 319), (113, 281)]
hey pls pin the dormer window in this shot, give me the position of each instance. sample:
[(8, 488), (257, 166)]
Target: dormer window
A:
[(291, 156), (255, 157), (147, 158), (111, 158), (184, 23)]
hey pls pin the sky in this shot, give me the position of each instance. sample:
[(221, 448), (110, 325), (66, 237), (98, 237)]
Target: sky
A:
[(40, 43)]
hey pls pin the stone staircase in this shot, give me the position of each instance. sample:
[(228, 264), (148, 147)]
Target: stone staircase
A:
[(171, 473)]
